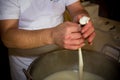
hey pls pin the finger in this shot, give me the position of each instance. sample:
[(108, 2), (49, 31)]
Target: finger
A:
[(74, 42), (74, 28), (88, 32), (86, 27), (74, 47), (91, 37), (75, 36)]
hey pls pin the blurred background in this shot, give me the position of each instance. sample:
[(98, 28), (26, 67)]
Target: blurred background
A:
[(108, 8)]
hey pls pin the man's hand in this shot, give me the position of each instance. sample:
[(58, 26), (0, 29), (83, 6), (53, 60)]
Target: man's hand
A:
[(88, 31), (67, 35), (77, 11)]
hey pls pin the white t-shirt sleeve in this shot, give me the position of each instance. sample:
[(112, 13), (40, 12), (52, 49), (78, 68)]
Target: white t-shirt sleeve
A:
[(68, 2), (9, 9)]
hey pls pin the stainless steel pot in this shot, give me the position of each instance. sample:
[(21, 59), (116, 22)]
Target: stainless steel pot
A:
[(55, 61)]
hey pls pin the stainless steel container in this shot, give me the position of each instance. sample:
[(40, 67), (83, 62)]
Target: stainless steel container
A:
[(59, 60)]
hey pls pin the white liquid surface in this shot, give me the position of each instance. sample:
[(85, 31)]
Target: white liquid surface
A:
[(72, 75)]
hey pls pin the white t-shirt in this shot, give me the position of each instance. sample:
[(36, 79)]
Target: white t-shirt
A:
[(32, 15)]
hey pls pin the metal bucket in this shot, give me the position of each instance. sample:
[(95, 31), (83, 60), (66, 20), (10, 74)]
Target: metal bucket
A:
[(60, 60)]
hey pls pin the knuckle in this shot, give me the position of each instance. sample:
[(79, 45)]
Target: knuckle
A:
[(94, 34)]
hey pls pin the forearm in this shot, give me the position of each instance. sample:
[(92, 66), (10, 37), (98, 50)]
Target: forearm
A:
[(24, 39), (77, 9)]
